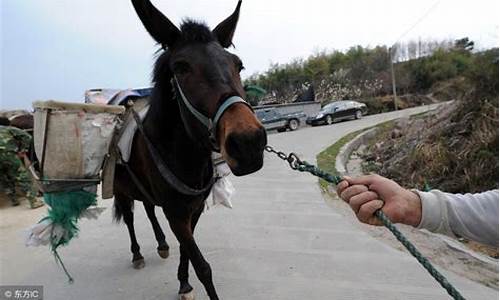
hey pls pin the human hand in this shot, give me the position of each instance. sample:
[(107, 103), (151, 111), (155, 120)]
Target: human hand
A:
[(367, 194)]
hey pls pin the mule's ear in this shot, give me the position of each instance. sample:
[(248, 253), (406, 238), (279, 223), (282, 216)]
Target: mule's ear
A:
[(225, 30), (159, 27)]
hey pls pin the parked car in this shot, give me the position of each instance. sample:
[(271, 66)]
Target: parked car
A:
[(272, 119), (337, 111)]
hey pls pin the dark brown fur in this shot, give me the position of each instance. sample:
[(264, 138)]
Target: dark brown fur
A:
[(208, 75)]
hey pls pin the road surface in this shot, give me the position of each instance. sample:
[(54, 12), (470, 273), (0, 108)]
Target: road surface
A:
[(279, 242)]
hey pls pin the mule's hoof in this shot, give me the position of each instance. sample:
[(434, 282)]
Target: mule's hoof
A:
[(164, 253), (139, 263), (187, 296)]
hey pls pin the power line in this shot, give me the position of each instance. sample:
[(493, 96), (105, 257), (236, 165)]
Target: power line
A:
[(399, 38), (418, 21)]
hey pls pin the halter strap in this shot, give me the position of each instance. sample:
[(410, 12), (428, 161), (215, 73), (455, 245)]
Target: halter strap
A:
[(225, 105), (201, 117), (210, 123)]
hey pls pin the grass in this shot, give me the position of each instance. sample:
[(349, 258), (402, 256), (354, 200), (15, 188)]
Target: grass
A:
[(326, 159), (420, 115)]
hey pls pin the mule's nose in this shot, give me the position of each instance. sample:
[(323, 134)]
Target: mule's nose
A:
[(247, 149)]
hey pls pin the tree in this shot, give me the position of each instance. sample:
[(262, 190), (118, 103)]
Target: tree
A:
[(464, 44)]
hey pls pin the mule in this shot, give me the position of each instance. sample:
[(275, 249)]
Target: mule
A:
[(196, 107)]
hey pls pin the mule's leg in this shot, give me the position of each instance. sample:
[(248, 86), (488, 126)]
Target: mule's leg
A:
[(181, 227), (186, 290), (128, 218), (163, 248)]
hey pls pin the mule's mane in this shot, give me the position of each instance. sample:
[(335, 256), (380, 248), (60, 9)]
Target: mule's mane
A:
[(195, 32)]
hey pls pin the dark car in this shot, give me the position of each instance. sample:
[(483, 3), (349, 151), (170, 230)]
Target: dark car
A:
[(271, 119), (337, 111)]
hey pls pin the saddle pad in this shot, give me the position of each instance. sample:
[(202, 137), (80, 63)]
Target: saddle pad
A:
[(127, 135)]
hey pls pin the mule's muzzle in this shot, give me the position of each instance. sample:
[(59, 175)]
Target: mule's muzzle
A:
[(246, 149)]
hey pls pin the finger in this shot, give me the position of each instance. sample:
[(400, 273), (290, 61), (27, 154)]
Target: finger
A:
[(356, 201), (367, 210), (373, 220), (352, 191), (342, 186), (364, 180)]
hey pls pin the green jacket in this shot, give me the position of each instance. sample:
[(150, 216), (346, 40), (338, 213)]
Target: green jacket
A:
[(13, 139)]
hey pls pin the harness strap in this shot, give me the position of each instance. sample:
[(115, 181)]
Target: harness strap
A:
[(201, 117), (228, 102), (139, 185), (165, 172), (210, 123)]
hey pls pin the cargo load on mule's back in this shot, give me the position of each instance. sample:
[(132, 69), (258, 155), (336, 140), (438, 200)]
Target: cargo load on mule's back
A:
[(72, 140), (72, 143)]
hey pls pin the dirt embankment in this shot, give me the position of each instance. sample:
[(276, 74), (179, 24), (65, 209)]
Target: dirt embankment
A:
[(452, 255), (454, 149), (458, 145)]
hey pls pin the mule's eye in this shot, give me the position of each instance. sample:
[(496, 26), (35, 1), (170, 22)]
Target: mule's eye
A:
[(181, 67), (238, 63)]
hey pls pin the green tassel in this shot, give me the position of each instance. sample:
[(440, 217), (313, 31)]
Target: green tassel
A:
[(64, 210)]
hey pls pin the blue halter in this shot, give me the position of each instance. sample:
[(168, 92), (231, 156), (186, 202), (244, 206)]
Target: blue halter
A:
[(210, 123)]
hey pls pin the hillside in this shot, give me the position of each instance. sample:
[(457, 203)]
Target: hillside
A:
[(431, 72), (455, 149)]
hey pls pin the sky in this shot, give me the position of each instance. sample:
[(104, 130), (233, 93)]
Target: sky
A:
[(57, 49)]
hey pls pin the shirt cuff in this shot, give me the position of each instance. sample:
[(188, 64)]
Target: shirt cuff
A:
[(434, 212)]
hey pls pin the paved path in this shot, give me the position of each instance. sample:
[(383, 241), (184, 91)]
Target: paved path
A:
[(281, 241)]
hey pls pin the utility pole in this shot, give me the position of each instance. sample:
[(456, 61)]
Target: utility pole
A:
[(419, 47), (393, 81)]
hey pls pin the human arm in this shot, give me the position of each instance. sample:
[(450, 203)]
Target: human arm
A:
[(474, 216)]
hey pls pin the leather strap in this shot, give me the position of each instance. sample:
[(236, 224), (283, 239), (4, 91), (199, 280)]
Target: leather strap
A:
[(139, 185), (165, 172), (210, 123)]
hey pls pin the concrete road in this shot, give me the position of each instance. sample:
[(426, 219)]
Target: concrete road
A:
[(281, 241)]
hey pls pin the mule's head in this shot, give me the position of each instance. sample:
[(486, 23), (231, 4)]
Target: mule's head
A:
[(205, 76)]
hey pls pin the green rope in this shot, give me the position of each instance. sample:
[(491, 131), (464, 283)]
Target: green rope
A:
[(64, 210), (59, 260), (304, 166)]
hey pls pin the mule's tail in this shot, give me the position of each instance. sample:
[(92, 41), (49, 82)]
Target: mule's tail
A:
[(121, 205)]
